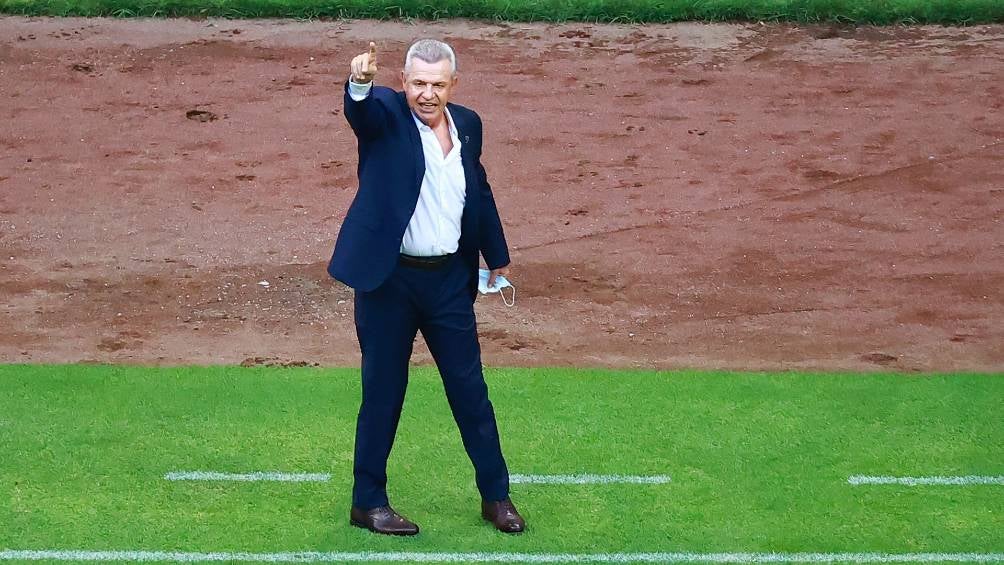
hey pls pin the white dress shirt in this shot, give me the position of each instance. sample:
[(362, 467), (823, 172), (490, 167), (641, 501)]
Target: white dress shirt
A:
[(434, 228)]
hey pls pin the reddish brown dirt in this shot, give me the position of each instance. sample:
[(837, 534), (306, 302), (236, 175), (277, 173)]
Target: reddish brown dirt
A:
[(727, 196)]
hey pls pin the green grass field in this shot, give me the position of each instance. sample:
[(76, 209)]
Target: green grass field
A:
[(624, 11), (759, 462)]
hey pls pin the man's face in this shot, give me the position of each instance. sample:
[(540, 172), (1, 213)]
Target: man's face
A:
[(427, 87)]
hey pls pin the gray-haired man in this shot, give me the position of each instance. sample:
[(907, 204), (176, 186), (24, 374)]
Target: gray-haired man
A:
[(410, 247)]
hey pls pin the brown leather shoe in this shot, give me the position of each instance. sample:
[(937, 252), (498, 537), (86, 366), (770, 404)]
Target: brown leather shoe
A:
[(503, 515), (382, 520)]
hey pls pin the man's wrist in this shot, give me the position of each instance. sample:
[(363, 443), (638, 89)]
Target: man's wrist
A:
[(359, 91)]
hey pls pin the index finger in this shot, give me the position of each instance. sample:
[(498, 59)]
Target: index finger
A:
[(372, 50)]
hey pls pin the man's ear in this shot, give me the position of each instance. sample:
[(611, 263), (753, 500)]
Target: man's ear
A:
[(404, 81)]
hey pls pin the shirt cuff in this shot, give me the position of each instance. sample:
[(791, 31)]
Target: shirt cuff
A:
[(359, 92)]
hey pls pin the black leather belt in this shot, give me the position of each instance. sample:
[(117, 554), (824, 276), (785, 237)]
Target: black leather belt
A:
[(431, 263)]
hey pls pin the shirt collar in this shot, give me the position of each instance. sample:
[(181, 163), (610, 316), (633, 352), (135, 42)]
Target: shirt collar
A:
[(449, 120)]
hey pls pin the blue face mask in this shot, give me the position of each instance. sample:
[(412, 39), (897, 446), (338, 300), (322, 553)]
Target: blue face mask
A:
[(500, 283)]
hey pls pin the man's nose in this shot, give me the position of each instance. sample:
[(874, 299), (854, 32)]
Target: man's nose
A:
[(427, 91)]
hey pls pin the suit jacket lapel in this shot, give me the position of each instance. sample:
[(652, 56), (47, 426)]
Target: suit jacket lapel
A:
[(418, 155), (470, 176), (466, 157)]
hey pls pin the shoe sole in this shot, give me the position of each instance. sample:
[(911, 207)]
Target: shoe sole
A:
[(510, 532), (359, 524)]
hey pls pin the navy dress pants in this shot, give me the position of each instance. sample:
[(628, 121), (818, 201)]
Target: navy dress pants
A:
[(437, 303)]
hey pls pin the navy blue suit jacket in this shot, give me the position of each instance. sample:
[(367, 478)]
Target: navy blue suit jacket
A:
[(391, 168)]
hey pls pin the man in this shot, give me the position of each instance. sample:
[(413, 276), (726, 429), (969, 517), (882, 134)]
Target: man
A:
[(409, 247)]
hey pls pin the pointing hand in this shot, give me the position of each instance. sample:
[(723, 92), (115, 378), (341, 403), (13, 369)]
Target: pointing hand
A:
[(364, 66)]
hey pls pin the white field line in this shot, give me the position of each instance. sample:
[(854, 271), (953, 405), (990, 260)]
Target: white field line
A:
[(421, 557), (257, 476), (587, 479), (914, 481)]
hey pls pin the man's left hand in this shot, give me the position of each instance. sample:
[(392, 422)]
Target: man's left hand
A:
[(496, 272)]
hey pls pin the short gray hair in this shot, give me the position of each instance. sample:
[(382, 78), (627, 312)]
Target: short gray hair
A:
[(430, 51)]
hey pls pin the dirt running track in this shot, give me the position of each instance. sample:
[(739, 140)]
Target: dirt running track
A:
[(723, 196)]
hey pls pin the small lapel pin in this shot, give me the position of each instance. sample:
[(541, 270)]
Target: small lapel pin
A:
[(466, 139)]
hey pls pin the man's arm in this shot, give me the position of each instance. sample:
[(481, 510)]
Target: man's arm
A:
[(492, 236), (497, 254), (364, 114)]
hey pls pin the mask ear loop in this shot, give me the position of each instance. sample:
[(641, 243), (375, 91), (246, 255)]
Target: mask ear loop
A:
[(512, 302)]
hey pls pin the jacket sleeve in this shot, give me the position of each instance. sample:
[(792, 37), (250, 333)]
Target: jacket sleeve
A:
[(368, 117), (492, 236)]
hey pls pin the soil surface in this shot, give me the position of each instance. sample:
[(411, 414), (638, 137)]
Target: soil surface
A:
[(711, 196)]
